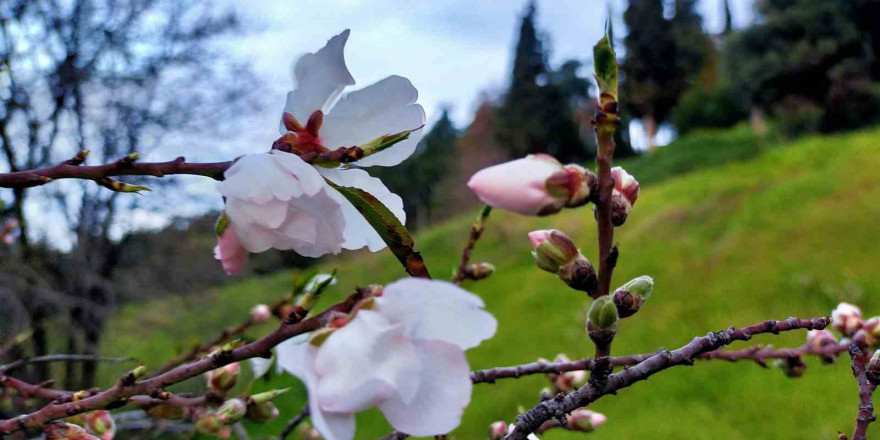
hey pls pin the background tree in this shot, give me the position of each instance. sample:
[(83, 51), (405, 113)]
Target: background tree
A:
[(113, 77), (535, 115)]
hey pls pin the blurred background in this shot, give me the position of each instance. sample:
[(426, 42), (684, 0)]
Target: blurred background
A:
[(750, 125)]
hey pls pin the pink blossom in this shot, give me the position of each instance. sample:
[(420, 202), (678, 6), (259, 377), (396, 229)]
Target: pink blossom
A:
[(261, 313), (520, 185), (232, 255), (847, 318), (399, 354)]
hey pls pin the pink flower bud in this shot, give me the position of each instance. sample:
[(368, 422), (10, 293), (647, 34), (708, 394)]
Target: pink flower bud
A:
[(232, 255), (585, 420), (479, 271), (209, 422), (820, 338), (309, 433), (66, 431), (100, 423), (232, 411), (873, 370), (262, 412), (570, 379), (497, 430), (552, 248), (847, 318), (792, 367), (223, 379), (624, 195), (521, 185), (261, 313), (869, 333)]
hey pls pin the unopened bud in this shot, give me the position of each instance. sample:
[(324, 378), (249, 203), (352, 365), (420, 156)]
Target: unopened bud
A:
[(568, 380), (268, 396), (66, 431), (100, 423), (232, 411), (224, 378), (793, 367), (873, 370), (847, 318), (309, 433), (585, 420), (262, 412), (819, 339), (261, 313), (556, 253), (209, 422), (629, 297), (624, 195), (573, 184), (385, 141), (479, 271), (497, 430), (602, 320), (868, 335), (579, 274)]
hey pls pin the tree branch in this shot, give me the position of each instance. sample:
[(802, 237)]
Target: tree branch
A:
[(476, 231), (866, 390), (127, 387), (557, 407), (294, 422), (62, 357)]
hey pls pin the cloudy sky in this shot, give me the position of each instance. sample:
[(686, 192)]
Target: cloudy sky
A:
[(452, 50)]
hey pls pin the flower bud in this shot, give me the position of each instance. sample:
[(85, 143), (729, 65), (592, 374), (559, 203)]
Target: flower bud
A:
[(568, 380), (497, 430), (307, 432), (873, 371), (624, 195), (602, 320), (847, 318), (629, 297), (100, 423), (232, 411), (66, 431), (819, 339), (868, 335), (793, 367), (479, 271), (534, 185), (584, 420), (210, 423), (224, 378), (262, 412), (554, 252), (260, 313)]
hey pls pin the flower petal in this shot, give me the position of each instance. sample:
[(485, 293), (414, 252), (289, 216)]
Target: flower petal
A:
[(432, 309), (297, 359), (444, 391), (365, 363), (518, 186), (260, 366), (232, 255), (386, 107), (358, 232), (318, 79)]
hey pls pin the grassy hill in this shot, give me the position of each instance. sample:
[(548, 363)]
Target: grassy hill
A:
[(790, 232)]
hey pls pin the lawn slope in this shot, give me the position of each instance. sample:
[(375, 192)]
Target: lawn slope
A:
[(790, 232)]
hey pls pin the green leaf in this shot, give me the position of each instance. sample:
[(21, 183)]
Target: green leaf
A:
[(605, 65), (393, 233)]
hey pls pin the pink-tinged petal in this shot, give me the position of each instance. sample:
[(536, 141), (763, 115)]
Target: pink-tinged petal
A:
[(259, 366), (386, 107), (539, 236), (358, 232), (318, 79), (518, 186), (440, 310), (364, 363), (444, 391), (298, 360), (232, 255)]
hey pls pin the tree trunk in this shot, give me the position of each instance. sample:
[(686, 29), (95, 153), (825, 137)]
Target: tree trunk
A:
[(756, 118), (650, 126)]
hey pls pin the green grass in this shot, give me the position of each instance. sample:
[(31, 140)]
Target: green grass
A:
[(791, 232)]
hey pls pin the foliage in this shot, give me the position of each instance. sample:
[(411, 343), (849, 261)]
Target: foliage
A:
[(717, 240), (718, 107)]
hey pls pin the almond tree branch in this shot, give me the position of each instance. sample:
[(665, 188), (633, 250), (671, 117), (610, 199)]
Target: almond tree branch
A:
[(62, 357), (128, 385), (866, 390), (293, 423), (562, 405), (476, 231)]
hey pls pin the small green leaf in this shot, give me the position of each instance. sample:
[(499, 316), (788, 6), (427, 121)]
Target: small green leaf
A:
[(393, 233), (221, 224), (605, 65)]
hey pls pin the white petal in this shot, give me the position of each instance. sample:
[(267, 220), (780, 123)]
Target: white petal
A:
[(358, 232), (260, 366), (259, 178), (307, 176), (298, 359), (439, 310), (365, 363), (318, 79), (385, 107), (444, 392)]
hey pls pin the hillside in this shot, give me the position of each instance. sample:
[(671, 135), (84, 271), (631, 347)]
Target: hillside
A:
[(790, 232)]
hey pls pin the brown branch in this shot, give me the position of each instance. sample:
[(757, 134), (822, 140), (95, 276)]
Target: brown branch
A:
[(225, 336), (293, 423), (476, 231), (124, 167), (557, 407), (128, 386), (61, 357), (866, 390)]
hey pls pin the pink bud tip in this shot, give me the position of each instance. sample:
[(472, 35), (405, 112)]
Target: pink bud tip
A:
[(261, 313), (520, 186), (539, 236), (232, 255)]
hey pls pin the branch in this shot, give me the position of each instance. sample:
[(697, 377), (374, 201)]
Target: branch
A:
[(294, 422), (557, 407), (71, 169), (128, 386), (866, 390), (476, 231), (62, 357)]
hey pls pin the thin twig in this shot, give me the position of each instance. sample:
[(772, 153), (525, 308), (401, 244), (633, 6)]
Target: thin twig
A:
[(62, 357), (476, 231), (866, 390), (555, 408), (293, 423), (128, 386)]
